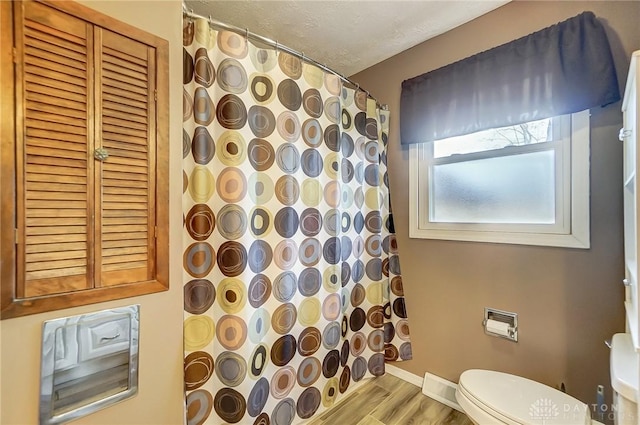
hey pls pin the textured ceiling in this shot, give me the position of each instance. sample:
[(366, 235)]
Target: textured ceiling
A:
[(348, 36)]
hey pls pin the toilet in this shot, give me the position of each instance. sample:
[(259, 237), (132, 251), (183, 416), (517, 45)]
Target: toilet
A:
[(491, 397)]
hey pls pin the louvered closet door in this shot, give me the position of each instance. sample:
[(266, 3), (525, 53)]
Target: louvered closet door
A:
[(54, 180), (125, 99)]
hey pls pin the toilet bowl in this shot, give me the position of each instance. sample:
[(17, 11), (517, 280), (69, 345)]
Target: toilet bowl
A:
[(490, 397)]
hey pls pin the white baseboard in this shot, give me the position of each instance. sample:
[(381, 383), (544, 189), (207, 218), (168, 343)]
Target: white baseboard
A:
[(403, 374), (441, 390)]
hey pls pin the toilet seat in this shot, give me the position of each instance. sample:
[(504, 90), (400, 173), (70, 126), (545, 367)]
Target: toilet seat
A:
[(479, 413), (513, 400)]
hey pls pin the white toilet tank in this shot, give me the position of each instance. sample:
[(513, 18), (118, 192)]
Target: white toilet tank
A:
[(624, 380)]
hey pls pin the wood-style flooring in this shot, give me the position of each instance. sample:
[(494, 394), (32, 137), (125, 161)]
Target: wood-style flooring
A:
[(388, 400)]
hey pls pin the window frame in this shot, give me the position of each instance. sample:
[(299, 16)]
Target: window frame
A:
[(573, 229)]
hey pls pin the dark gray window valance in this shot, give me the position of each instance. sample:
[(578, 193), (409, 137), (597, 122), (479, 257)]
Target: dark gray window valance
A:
[(562, 69)]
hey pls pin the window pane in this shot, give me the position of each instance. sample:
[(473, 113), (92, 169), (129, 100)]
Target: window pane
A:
[(495, 138), (509, 189)]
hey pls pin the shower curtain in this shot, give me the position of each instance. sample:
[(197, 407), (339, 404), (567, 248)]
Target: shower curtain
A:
[(292, 285)]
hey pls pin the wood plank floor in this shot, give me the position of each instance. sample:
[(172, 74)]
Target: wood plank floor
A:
[(388, 400)]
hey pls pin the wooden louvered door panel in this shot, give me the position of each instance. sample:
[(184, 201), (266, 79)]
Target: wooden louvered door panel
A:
[(54, 177), (125, 98), (76, 228)]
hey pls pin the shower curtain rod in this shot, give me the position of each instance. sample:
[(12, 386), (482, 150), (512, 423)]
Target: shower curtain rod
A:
[(245, 31)]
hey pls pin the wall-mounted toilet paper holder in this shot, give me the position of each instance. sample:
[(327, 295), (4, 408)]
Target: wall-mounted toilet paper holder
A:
[(503, 324)]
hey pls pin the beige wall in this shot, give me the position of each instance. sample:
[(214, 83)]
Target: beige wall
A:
[(160, 396), (568, 300)]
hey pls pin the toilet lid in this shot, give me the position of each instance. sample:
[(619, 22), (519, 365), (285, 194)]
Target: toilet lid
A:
[(521, 400)]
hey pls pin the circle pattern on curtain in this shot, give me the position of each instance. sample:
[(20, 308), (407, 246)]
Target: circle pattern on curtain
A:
[(292, 285)]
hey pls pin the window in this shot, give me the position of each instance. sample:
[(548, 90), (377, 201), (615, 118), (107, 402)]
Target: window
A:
[(79, 227), (523, 184)]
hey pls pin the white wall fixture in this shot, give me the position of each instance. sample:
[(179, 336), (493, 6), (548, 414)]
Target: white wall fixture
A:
[(630, 137), (503, 324), (89, 362)]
